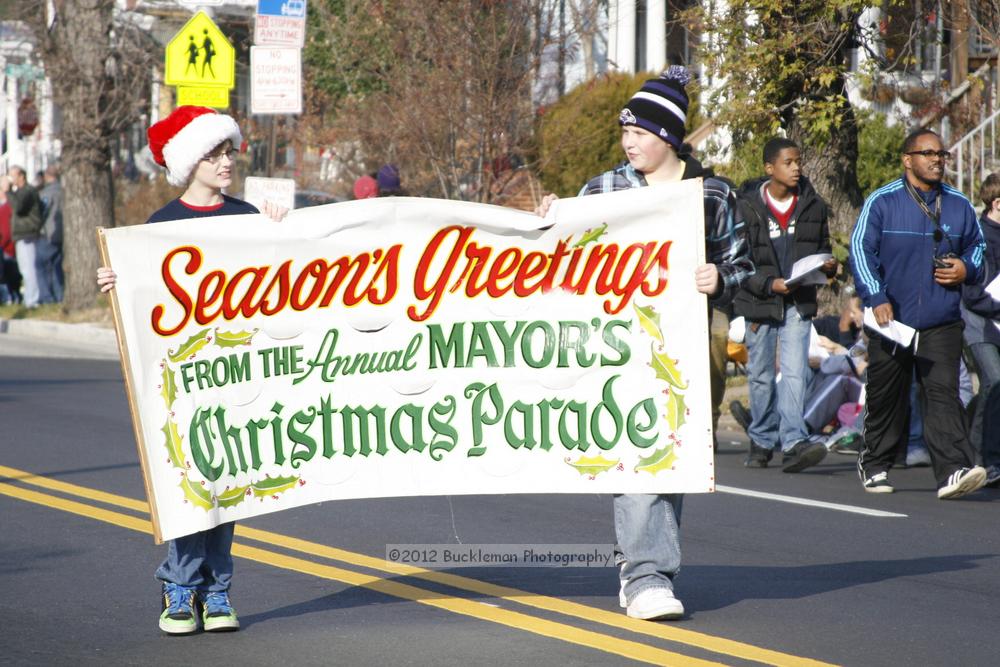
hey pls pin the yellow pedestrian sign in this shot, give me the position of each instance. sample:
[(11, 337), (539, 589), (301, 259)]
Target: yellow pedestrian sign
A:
[(216, 97), (200, 55)]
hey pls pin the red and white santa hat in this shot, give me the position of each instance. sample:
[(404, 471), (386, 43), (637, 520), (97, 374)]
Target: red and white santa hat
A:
[(182, 139)]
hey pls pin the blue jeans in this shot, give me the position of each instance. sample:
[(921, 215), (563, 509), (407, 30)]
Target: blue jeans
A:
[(203, 560), (648, 530), (777, 407), (48, 259), (24, 250), (985, 435)]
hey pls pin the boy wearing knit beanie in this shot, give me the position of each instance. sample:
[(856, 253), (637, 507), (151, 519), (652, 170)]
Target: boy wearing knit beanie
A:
[(196, 145), (652, 123)]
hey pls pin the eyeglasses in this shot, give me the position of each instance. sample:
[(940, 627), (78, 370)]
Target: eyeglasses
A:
[(944, 155), (214, 158)]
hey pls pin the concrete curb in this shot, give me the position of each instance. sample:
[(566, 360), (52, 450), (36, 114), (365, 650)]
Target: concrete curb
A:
[(88, 335)]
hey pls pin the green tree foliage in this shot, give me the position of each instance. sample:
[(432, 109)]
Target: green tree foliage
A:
[(782, 65), (746, 162), (578, 137), (878, 154), (348, 50), (879, 147)]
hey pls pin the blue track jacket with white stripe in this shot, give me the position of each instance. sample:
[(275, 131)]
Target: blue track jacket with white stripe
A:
[(892, 251)]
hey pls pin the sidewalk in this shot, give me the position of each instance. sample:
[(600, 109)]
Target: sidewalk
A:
[(30, 337)]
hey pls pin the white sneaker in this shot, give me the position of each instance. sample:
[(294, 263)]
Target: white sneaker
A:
[(918, 458), (654, 604), (963, 481)]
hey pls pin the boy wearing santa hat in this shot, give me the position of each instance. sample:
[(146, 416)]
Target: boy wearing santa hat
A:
[(196, 145)]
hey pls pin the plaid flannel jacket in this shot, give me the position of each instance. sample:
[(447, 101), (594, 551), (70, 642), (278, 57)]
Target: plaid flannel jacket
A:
[(725, 232)]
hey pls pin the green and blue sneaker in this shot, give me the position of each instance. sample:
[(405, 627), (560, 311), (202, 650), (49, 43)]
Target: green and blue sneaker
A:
[(217, 613), (178, 617)]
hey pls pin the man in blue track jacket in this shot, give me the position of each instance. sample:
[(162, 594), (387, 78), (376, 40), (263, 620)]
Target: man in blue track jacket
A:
[(915, 243)]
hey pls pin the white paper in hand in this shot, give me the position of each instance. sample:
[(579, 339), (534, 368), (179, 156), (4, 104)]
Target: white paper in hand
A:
[(806, 271), (993, 289), (895, 330)]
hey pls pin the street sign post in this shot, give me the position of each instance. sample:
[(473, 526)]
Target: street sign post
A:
[(275, 80), (200, 55), (280, 23), (290, 8)]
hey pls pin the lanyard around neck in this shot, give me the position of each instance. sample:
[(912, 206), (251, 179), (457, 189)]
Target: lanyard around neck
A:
[(936, 215)]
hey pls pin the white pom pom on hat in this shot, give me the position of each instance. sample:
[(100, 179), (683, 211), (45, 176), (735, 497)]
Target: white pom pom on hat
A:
[(182, 139)]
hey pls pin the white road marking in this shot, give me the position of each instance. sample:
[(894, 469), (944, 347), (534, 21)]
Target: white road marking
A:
[(805, 501)]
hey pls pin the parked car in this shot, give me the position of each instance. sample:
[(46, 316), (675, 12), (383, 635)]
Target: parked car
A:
[(307, 198)]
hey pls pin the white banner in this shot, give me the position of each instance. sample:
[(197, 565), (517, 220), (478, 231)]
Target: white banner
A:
[(400, 346)]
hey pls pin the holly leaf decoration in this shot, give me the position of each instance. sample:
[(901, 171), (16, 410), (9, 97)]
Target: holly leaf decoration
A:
[(196, 494), (271, 486), (190, 346), (649, 320), (676, 411), (592, 465), (666, 368), (233, 497), (233, 338), (168, 386), (661, 459), (174, 445), (591, 235)]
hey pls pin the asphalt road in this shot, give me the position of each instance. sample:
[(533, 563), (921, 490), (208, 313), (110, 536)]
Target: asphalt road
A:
[(765, 581)]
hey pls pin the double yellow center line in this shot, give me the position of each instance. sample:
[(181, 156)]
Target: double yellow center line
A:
[(460, 605)]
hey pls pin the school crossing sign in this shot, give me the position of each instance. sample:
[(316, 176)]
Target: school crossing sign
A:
[(200, 55)]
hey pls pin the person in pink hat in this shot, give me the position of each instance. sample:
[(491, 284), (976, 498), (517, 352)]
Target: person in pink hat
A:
[(196, 145), (365, 187)]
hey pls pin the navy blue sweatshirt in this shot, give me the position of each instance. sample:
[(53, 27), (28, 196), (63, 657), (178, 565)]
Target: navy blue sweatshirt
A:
[(178, 210), (892, 252), (978, 306)]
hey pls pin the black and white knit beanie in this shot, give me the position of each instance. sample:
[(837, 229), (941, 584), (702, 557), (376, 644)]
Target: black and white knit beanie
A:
[(660, 106)]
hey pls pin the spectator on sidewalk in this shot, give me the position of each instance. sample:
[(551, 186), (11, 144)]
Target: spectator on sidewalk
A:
[(981, 313), (50, 251), (195, 144), (647, 525), (365, 187), (835, 390), (10, 278), (26, 227), (388, 181), (916, 242), (845, 328), (786, 221)]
